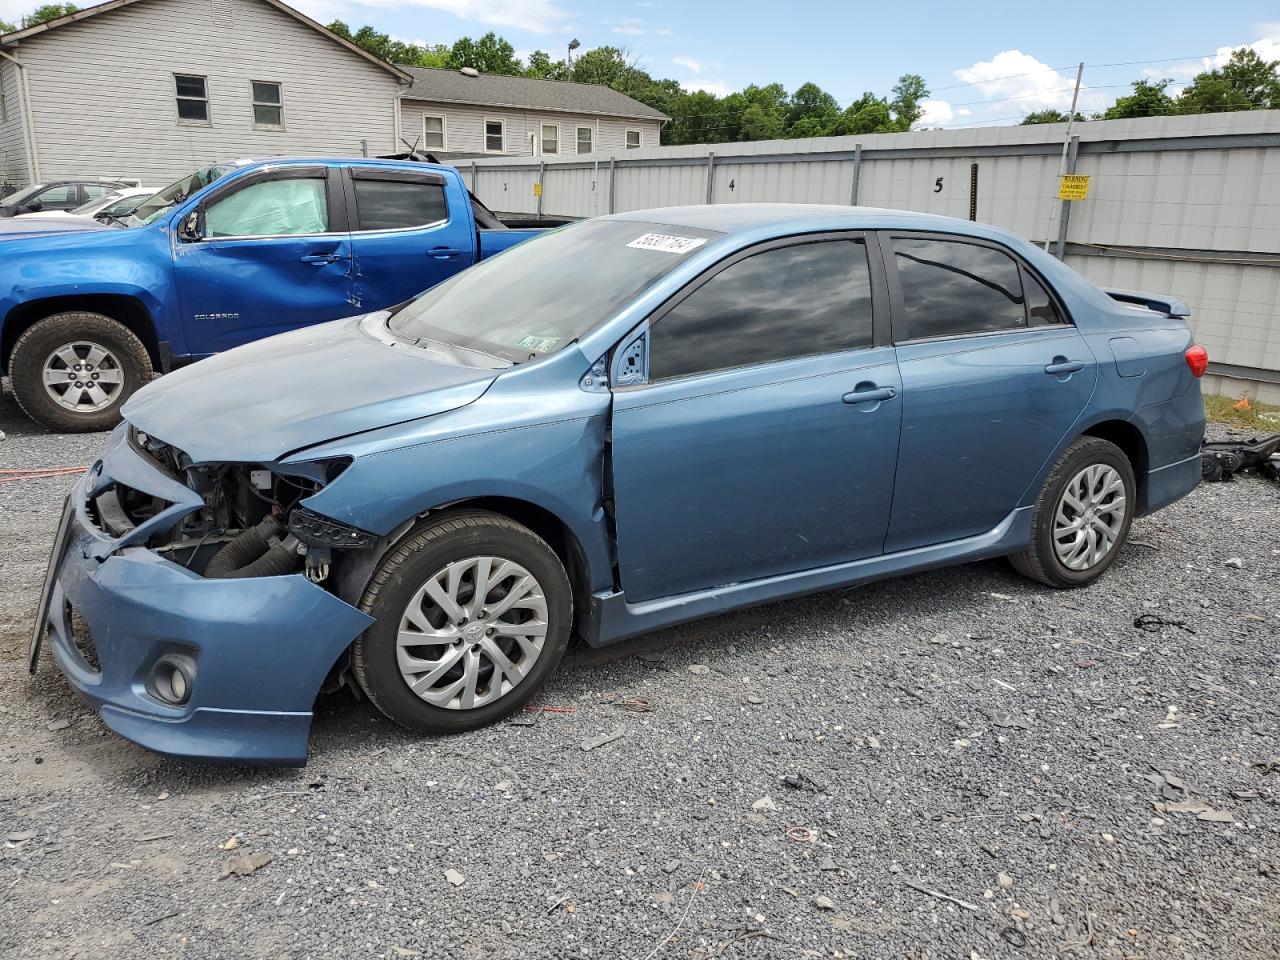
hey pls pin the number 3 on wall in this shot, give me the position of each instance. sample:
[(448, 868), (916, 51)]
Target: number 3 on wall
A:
[(937, 185)]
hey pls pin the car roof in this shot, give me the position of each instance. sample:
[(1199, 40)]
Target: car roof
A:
[(797, 217)]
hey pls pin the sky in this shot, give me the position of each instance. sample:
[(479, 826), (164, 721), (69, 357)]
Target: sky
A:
[(985, 61)]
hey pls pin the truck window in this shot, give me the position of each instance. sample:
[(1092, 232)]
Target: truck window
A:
[(270, 208), (398, 204)]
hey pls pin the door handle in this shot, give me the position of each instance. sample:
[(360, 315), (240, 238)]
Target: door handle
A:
[(319, 259), (1062, 365), (443, 253), (870, 394)]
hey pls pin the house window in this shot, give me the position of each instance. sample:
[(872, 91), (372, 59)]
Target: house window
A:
[(433, 133), (193, 98), (551, 138), (633, 139), (268, 105), (584, 139), (494, 136)]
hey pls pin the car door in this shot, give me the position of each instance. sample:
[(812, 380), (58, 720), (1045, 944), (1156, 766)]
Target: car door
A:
[(755, 421), (264, 253), (993, 376), (406, 237)]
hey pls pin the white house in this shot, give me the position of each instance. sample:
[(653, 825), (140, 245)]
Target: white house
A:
[(150, 89)]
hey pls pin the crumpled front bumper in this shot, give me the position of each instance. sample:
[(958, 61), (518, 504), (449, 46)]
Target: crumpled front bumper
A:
[(261, 646)]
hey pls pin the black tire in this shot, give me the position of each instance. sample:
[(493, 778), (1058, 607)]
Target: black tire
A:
[(437, 543), (1040, 561), (37, 344)]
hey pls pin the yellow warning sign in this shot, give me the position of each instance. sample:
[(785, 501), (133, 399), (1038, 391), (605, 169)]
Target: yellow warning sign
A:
[(537, 188), (1073, 188)]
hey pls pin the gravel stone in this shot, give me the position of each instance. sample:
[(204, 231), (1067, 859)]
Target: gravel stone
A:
[(1031, 801)]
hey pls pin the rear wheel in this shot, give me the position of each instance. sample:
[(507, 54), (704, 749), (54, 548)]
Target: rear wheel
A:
[(1082, 516), (473, 614), (72, 372)]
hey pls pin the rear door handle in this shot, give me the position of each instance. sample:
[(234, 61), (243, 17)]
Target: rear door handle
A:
[(1063, 365), (443, 253), (870, 394), (321, 258)]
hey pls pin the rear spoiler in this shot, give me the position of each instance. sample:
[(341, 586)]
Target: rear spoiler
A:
[(1169, 306)]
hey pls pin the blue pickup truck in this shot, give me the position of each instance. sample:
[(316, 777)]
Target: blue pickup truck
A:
[(229, 254)]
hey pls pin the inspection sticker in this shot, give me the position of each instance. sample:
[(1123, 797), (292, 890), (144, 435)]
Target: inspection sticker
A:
[(667, 244), (541, 344)]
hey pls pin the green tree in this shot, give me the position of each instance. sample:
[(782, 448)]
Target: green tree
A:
[(1245, 82), (490, 54), (49, 11), (6, 27), (381, 45), (1147, 99), (1049, 116), (868, 114), (542, 67), (810, 109), (908, 94)]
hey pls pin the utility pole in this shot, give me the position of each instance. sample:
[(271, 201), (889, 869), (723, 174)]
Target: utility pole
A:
[(1066, 143)]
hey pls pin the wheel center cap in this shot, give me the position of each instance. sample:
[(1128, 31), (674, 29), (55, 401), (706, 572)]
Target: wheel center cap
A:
[(473, 632)]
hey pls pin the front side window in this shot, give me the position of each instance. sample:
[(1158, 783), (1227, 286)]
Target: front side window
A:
[(193, 98), (270, 208), (633, 139), (551, 138), (268, 105), (584, 139), (399, 204), (61, 197), (951, 288), (795, 301), (525, 303), (433, 133), (494, 136)]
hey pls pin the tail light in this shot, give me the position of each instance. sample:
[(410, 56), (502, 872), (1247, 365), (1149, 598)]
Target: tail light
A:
[(1197, 359)]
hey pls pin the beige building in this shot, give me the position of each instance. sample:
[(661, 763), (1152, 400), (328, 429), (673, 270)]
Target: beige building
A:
[(151, 89)]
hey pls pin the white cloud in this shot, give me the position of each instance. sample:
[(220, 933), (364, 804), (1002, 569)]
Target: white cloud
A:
[(718, 87), (963, 112), (1019, 84), (534, 16), (1267, 46), (688, 63), (935, 113), (630, 27)]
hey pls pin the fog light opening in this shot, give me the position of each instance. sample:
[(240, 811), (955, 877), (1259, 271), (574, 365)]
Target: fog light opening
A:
[(171, 680)]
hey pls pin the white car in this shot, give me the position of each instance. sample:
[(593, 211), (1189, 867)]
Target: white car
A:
[(117, 203)]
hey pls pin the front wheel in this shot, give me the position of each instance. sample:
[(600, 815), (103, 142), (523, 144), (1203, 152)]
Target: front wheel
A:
[(473, 614), (72, 372), (1082, 516)]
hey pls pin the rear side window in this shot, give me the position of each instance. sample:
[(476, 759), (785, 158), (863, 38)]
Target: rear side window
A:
[(796, 301), (1041, 309), (399, 204), (951, 288)]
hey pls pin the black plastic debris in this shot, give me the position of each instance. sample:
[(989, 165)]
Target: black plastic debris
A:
[(1222, 459)]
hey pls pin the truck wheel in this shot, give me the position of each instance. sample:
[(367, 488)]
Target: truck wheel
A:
[(1081, 518), (473, 614), (72, 372)]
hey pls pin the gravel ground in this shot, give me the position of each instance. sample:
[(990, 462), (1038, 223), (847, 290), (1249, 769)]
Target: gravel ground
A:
[(1021, 753)]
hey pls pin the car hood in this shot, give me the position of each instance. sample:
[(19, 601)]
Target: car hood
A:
[(258, 402), (38, 225)]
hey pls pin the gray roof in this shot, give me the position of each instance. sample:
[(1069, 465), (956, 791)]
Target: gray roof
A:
[(494, 90)]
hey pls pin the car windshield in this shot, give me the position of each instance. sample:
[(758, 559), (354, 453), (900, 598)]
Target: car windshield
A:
[(156, 206), (24, 194), (541, 295), (87, 209)]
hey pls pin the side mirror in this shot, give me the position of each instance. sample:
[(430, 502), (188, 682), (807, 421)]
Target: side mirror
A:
[(189, 229), (32, 206)]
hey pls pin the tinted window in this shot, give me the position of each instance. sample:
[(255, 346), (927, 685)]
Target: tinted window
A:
[(63, 196), (93, 191), (951, 288), (1040, 306), (392, 205), (270, 208), (790, 302)]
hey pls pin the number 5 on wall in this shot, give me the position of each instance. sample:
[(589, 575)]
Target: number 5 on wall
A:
[(937, 185)]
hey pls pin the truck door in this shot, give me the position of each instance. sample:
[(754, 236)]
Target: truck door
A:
[(410, 229), (267, 253)]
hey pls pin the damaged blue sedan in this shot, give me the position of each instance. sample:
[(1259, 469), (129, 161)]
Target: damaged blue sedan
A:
[(625, 424)]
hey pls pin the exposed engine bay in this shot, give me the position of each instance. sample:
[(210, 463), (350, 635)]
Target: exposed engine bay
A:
[(252, 523)]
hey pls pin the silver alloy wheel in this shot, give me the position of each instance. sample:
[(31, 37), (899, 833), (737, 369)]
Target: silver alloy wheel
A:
[(1089, 517), (83, 377), (472, 632)]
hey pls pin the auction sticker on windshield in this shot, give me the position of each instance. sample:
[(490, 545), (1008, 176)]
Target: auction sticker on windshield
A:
[(667, 244)]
